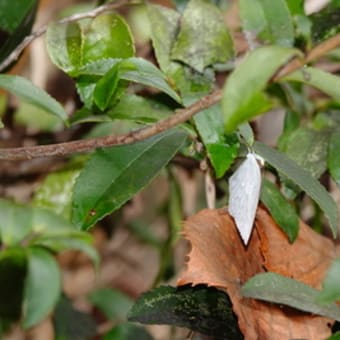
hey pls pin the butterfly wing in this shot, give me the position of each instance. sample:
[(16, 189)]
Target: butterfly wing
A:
[(244, 192)]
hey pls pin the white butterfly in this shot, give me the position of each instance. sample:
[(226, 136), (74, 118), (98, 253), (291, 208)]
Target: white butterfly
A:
[(244, 192)]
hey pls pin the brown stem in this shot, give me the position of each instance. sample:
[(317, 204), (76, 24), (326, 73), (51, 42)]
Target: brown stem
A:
[(63, 149), (179, 117)]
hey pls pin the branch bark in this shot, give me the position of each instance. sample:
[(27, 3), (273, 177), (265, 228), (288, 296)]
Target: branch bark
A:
[(180, 116)]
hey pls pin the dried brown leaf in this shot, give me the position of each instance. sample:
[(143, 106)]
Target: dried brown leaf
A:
[(218, 258)]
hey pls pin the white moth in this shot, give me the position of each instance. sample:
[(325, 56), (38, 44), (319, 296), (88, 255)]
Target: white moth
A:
[(244, 192)]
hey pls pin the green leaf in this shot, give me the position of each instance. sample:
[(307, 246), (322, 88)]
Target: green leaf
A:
[(334, 156), (72, 324), (253, 20), (326, 23), (15, 222), (143, 72), (55, 192), (335, 336), (282, 212), (279, 289), (55, 233), (114, 304), (26, 90), (42, 286), (73, 45), (324, 81), (106, 88), (296, 7), (303, 179), (331, 284), (243, 96), (112, 176), (131, 69), (127, 331), (279, 22), (13, 269), (221, 149), (139, 109), (16, 21), (270, 21), (164, 24), (201, 309), (308, 148), (203, 38)]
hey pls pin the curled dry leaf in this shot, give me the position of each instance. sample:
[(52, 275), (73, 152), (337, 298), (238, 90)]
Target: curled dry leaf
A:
[(218, 258)]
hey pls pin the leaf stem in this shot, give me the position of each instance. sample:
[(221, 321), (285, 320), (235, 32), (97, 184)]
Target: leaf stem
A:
[(180, 116)]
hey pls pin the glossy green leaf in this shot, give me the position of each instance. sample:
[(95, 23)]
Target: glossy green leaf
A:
[(64, 46), (296, 7), (13, 269), (15, 222), (26, 90), (201, 309), (243, 96), (324, 81), (114, 304), (271, 21), (55, 192), (106, 88), (16, 22), (221, 149), (308, 148), (282, 212), (42, 286), (73, 45), (136, 70), (72, 324), (303, 179), (139, 109), (143, 72), (164, 24), (279, 22), (279, 289), (331, 284), (127, 331), (254, 23), (112, 176), (334, 156), (203, 37)]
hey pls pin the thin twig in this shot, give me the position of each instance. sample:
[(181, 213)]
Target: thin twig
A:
[(315, 53), (63, 149), (40, 31), (178, 118)]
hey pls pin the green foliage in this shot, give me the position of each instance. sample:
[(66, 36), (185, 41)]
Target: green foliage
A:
[(201, 309), (331, 288), (124, 170), (33, 267), (27, 91), (282, 212), (76, 44), (195, 54), (304, 180), (42, 272), (243, 95), (282, 290), (112, 303), (15, 23)]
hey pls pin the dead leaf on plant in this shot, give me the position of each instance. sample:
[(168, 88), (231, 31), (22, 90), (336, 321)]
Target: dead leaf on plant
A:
[(218, 258)]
